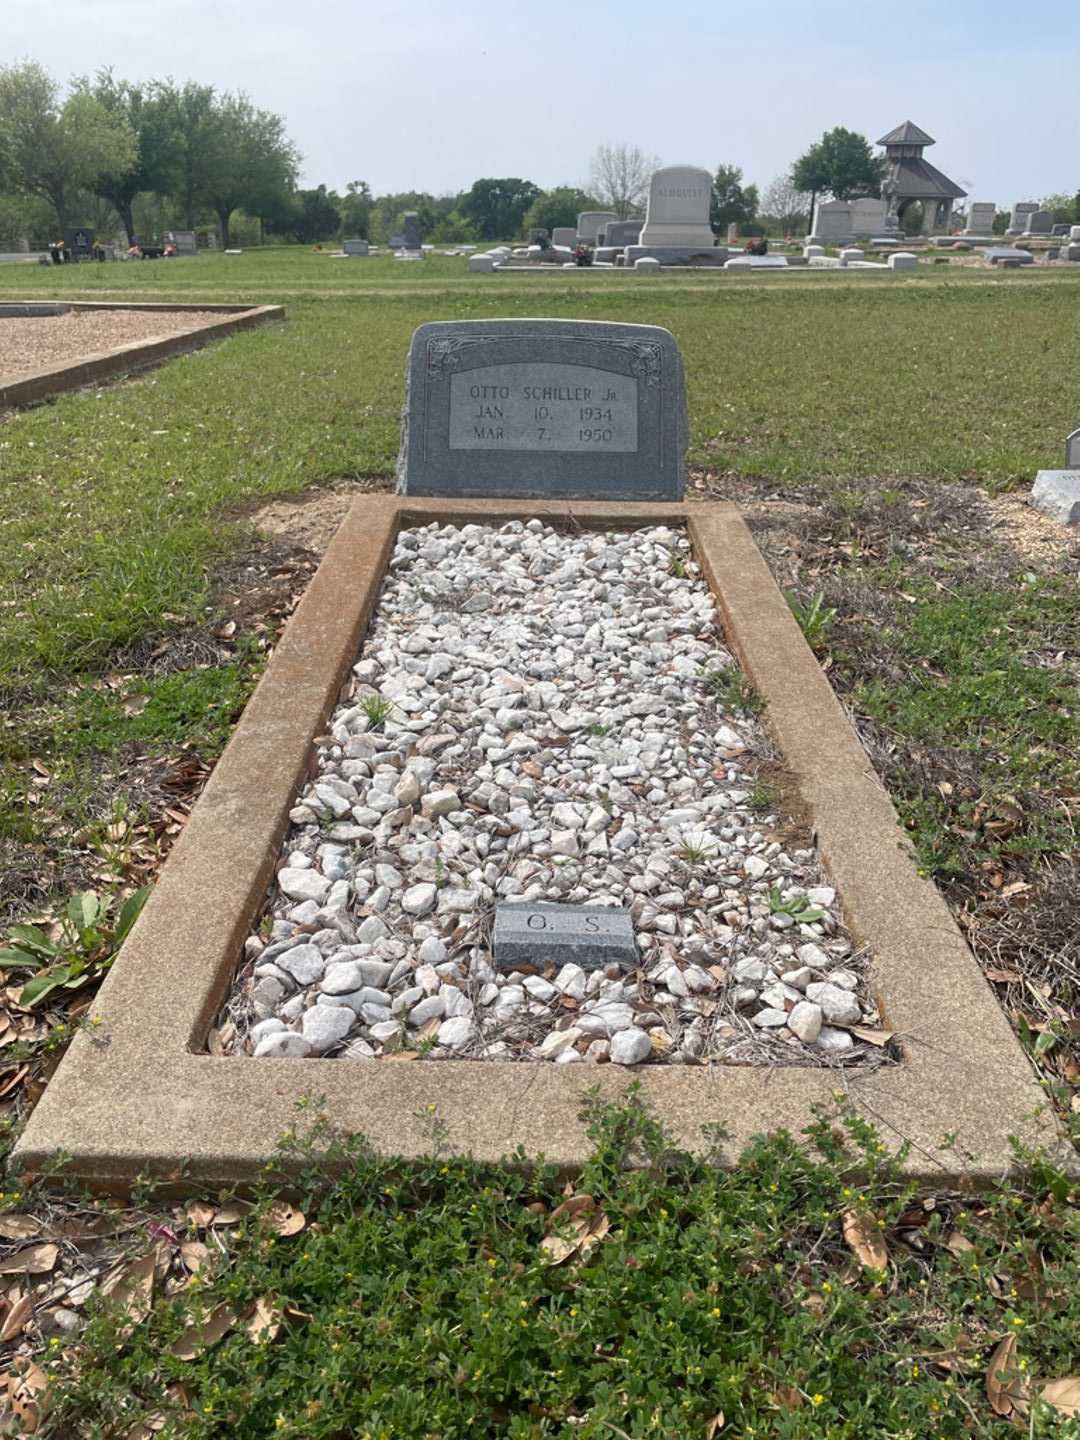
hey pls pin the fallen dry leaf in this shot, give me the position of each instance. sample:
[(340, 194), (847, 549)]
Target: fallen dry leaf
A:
[(264, 1321), (872, 1036), (31, 1260), (200, 1214), (715, 1424), (231, 1214), (203, 1333), (1006, 1388), (20, 1310), (19, 1227), (28, 1394), (864, 1238), (957, 1243), (1064, 1394), (286, 1220), (585, 1227), (195, 1255), (131, 1285)]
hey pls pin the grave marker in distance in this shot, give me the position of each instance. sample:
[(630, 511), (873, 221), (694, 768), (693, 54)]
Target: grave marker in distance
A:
[(532, 936), (544, 409)]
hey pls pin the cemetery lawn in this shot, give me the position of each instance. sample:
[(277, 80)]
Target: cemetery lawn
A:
[(872, 431)]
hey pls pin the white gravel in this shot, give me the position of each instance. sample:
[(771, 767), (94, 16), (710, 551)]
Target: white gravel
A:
[(29, 344), (531, 719)]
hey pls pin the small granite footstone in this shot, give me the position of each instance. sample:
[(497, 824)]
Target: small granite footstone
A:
[(1057, 494), (544, 409), (535, 936), (1072, 444)]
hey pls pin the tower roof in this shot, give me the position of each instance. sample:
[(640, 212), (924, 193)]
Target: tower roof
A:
[(907, 134)]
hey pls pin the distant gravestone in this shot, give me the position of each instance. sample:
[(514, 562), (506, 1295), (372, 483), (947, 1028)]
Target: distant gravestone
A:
[(79, 242), (410, 224), (397, 242), (356, 247), (184, 240), (677, 213), (1072, 451), (590, 223), (832, 221), (622, 232), (903, 260), (532, 937), (1040, 222), (544, 409), (1018, 217), (564, 235), (1057, 494), (868, 217), (1007, 255), (980, 219)]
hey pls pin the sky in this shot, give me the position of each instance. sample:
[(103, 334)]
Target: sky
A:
[(430, 95)]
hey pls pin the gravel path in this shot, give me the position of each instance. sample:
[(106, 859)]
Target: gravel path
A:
[(542, 716), (32, 344)]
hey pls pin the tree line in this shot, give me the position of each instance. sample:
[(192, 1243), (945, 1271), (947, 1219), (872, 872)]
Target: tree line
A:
[(168, 155)]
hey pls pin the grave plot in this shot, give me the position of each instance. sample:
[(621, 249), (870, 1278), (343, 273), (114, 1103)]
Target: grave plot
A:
[(43, 354), (539, 829)]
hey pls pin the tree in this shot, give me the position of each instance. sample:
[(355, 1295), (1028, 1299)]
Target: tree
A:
[(557, 207), (250, 162), (147, 114), (619, 176), (454, 229), (192, 117), (315, 216), (785, 203), (54, 149), (355, 210), (841, 164), (733, 203), (497, 207)]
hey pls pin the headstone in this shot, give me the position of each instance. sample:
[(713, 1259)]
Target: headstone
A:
[(812, 251), (980, 218), (545, 409), (647, 262), (756, 262), (868, 217), (1057, 494), (410, 223), (851, 254), (1072, 451), (618, 233), (901, 260), (678, 208), (733, 233), (832, 221), (184, 240), (1018, 217), (1040, 222), (1060, 231), (590, 223), (481, 264), (80, 242), (356, 247), (564, 235), (397, 241), (535, 936), (1007, 255)]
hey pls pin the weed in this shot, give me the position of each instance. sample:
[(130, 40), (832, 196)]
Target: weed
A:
[(730, 689), (762, 796), (377, 708), (798, 907), (815, 621), (86, 946)]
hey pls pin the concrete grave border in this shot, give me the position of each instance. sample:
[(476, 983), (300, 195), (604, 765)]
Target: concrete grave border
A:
[(139, 1092), (52, 380)]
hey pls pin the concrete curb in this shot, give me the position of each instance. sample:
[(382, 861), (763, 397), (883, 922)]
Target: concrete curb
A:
[(56, 379), (139, 1092)]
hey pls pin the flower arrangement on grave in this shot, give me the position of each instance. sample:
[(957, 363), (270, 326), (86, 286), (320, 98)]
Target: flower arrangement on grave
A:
[(583, 254)]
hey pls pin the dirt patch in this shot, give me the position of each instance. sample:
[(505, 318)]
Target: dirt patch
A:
[(27, 345), (312, 519), (1031, 533)]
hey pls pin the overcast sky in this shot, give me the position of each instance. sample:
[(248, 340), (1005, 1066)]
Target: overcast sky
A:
[(424, 95)]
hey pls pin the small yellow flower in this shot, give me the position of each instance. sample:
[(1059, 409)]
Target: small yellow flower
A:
[(716, 1312), (1017, 1321), (492, 1261), (817, 1399), (914, 1372), (827, 1287), (573, 1310)]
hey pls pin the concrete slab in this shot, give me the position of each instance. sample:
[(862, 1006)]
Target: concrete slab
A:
[(72, 375), (139, 1092)]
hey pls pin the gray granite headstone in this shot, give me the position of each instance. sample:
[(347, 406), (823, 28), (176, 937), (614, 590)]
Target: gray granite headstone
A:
[(534, 936), (1072, 451), (1057, 494), (1039, 222), (355, 246), (410, 224), (544, 409)]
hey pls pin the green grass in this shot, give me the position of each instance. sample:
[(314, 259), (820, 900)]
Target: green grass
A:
[(418, 1303)]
